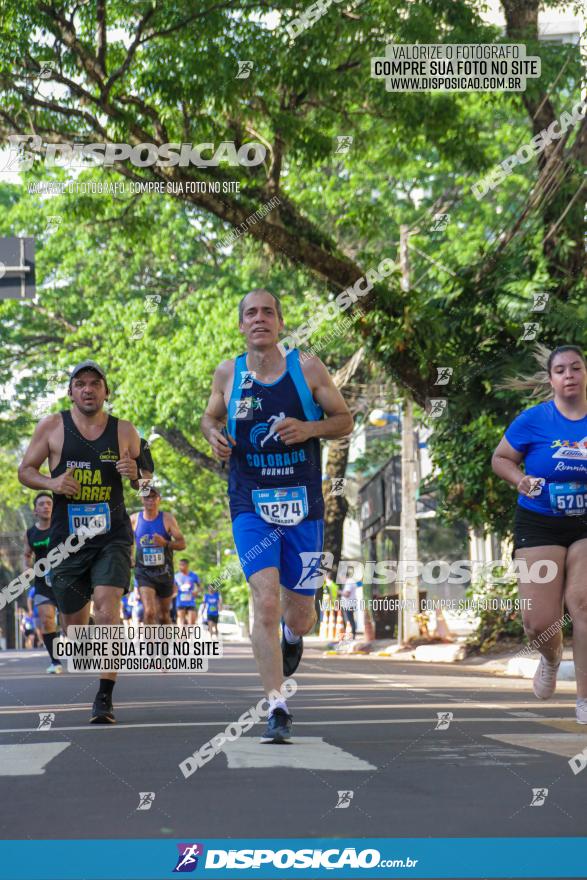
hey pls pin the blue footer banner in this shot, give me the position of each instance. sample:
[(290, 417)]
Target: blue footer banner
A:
[(304, 858)]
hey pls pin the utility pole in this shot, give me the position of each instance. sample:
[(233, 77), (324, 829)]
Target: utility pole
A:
[(408, 554)]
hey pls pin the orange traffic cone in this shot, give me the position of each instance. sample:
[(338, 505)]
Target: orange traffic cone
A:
[(339, 627), (442, 631), (348, 633)]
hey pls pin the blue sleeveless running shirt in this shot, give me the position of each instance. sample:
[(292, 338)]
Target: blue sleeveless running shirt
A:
[(555, 450), (282, 484), (211, 601), (151, 558)]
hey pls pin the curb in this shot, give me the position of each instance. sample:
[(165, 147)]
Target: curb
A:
[(525, 667), (452, 653)]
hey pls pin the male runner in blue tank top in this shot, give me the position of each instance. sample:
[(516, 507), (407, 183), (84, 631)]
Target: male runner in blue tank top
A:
[(89, 453), (157, 535), (266, 415)]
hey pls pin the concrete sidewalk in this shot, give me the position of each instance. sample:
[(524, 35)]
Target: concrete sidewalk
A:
[(513, 663)]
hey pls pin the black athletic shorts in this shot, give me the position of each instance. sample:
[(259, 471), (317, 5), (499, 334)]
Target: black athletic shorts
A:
[(74, 579), (536, 530), (212, 618), (161, 583)]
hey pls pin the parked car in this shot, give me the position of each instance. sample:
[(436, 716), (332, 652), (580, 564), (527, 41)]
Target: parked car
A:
[(229, 625)]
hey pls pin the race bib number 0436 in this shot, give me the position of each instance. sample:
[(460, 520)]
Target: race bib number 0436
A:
[(281, 507), (92, 516), (568, 498)]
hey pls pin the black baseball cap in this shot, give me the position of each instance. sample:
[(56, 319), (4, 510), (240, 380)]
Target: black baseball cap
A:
[(87, 365)]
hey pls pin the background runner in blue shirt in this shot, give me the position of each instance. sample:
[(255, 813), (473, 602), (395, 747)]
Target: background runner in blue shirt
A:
[(187, 584), (213, 604), (550, 526)]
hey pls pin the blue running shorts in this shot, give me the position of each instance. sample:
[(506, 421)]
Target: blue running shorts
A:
[(295, 550)]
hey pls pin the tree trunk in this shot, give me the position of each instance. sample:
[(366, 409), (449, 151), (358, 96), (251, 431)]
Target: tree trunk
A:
[(335, 505), (178, 441)]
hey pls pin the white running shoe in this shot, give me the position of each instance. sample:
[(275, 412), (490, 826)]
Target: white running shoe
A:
[(581, 710), (544, 684), (55, 669)]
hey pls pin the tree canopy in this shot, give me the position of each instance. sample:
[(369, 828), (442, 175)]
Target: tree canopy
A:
[(163, 72)]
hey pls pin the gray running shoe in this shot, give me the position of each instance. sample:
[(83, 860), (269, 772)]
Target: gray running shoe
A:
[(544, 684), (581, 710)]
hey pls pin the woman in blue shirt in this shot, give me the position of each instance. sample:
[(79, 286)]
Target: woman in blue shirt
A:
[(550, 526)]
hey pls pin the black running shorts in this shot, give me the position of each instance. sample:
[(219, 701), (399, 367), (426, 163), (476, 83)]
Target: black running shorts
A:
[(74, 579), (161, 583), (536, 530)]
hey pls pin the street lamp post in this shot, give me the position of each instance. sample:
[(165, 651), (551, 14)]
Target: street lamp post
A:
[(408, 553), (408, 548)]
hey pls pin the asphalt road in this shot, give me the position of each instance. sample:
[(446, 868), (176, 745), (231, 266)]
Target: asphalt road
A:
[(361, 725)]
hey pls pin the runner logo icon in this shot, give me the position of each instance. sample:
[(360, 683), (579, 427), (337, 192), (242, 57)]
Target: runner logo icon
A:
[(315, 568), (188, 857), (264, 431)]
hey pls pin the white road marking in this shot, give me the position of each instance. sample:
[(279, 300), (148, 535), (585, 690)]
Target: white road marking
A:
[(237, 702), (304, 753), (29, 759), (397, 684), (85, 707), (477, 754), (94, 728), (564, 744)]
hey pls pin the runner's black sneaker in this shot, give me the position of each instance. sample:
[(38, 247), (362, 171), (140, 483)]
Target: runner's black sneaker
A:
[(292, 654), (278, 728), (102, 712)]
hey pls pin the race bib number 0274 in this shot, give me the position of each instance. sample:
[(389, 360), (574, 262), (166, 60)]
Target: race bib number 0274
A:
[(281, 507), (569, 499)]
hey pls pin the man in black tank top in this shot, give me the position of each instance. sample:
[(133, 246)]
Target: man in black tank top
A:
[(89, 454), (36, 546)]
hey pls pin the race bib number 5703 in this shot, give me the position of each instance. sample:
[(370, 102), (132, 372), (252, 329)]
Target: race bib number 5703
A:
[(569, 499)]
